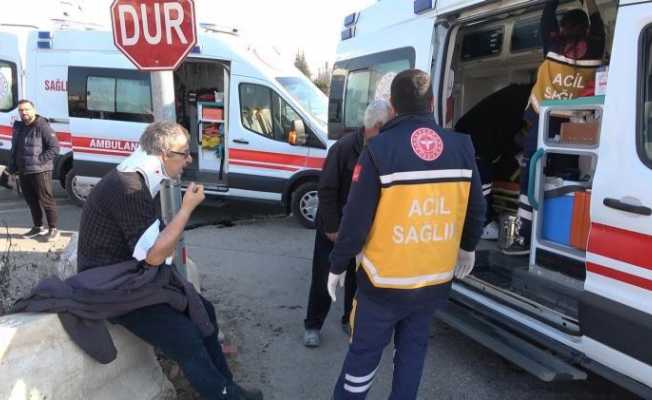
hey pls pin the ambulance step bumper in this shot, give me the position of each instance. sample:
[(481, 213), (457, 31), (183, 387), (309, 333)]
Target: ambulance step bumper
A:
[(533, 359)]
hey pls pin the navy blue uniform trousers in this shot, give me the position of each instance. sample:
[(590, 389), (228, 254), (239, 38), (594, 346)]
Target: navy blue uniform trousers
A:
[(374, 324)]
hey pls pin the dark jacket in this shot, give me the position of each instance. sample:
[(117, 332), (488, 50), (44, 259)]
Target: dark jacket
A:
[(335, 180), (84, 301), (33, 147)]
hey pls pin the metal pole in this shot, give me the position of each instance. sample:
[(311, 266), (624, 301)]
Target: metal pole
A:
[(164, 110)]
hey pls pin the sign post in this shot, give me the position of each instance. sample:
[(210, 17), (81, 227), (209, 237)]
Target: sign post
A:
[(156, 35)]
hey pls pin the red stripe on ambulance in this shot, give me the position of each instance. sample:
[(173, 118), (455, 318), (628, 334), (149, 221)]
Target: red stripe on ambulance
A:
[(618, 244), (620, 276)]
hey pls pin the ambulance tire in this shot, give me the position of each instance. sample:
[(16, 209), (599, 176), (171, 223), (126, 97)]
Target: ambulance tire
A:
[(72, 190), (304, 204)]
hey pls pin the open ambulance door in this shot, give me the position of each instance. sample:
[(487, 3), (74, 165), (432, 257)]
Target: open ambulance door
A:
[(10, 90), (616, 310)]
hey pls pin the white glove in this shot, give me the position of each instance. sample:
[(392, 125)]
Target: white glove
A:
[(333, 280), (465, 263)]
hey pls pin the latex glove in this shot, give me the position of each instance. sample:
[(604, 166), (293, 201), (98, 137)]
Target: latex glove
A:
[(333, 280), (465, 263)]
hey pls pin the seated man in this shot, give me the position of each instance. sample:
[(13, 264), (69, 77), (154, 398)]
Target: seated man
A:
[(119, 211)]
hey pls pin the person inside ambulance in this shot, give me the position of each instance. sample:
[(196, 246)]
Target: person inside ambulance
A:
[(498, 141), (573, 51), (414, 216)]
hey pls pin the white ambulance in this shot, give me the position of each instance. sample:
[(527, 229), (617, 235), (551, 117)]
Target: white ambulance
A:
[(571, 306), (257, 125)]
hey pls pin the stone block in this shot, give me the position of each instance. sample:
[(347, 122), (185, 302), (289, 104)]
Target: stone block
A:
[(38, 361)]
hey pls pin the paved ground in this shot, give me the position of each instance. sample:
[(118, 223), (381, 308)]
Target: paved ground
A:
[(257, 272), (261, 293)]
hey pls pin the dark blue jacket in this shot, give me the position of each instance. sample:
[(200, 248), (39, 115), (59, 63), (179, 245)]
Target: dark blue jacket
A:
[(397, 155), (33, 147)]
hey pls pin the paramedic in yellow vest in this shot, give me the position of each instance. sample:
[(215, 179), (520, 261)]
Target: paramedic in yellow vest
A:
[(573, 50), (414, 216)]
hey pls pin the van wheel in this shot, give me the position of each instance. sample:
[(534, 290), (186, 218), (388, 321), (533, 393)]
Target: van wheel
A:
[(76, 192), (304, 204)]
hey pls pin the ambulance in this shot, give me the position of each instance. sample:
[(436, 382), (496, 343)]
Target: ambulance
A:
[(582, 300), (257, 125)]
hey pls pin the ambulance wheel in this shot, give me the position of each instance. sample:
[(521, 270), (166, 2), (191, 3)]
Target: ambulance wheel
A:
[(76, 192), (304, 204)]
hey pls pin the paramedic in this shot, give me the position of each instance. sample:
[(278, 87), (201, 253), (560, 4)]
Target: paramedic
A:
[(573, 51), (414, 215), (34, 146), (334, 184), (115, 226)]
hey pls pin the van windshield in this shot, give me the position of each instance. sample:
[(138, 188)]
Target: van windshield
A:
[(308, 95)]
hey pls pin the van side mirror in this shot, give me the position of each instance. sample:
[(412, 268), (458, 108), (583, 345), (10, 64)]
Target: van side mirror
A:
[(297, 136)]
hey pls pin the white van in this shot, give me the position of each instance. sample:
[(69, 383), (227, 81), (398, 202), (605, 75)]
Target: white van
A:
[(569, 307), (239, 104)]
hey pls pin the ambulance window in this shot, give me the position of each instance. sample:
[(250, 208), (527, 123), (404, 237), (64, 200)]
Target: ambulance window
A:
[(8, 89), (483, 43), (645, 131), (100, 94), (283, 115), (118, 96), (525, 35), (266, 113), (133, 96), (356, 97), (256, 109)]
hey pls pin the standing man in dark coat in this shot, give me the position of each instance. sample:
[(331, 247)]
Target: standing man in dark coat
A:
[(34, 146), (334, 186)]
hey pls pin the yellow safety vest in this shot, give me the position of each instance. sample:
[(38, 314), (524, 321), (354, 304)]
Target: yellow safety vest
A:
[(416, 233), (561, 78)]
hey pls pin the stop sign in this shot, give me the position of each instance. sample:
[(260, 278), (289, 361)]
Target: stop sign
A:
[(154, 34)]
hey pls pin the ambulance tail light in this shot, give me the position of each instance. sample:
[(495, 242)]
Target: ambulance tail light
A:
[(44, 40), (421, 6), (184, 255)]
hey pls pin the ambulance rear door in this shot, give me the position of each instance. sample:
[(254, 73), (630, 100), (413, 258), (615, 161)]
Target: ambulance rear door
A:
[(616, 310)]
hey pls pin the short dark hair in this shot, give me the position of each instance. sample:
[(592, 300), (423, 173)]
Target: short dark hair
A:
[(575, 19), (25, 101), (411, 92)]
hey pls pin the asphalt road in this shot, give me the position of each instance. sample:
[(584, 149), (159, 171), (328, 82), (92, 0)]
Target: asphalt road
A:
[(255, 267)]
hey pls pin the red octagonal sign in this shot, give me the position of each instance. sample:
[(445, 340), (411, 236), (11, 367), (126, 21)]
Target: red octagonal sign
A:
[(154, 34)]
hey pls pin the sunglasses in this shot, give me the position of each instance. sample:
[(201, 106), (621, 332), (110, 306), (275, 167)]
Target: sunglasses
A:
[(185, 154)]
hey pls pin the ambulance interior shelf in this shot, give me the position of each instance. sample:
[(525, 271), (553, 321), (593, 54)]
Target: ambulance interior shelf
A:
[(561, 175), (211, 129)]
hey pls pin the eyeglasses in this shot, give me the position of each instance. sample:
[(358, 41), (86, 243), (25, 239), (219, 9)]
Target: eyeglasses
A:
[(185, 154)]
